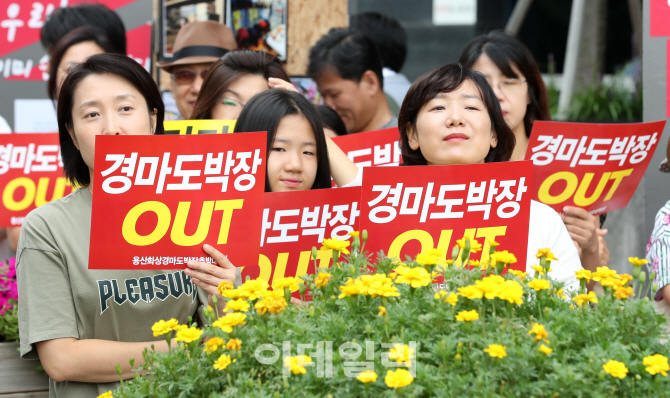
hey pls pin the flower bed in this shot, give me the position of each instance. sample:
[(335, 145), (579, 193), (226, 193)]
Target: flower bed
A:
[(382, 333)]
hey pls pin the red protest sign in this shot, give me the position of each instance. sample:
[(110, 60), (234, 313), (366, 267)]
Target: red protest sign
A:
[(407, 210), (31, 172), (659, 18), (294, 222), (593, 166), (158, 199), (372, 148)]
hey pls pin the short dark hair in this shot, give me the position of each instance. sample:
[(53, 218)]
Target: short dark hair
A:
[(76, 170), (331, 120), (445, 79), (65, 19), (504, 50), (346, 52), (387, 34), (76, 36), (265, 111), (228, 69)]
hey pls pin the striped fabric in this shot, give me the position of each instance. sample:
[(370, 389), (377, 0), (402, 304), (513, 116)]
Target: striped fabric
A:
[(658, 249)]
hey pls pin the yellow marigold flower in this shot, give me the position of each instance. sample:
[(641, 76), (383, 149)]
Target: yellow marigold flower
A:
[(224, 286), (539, 269), (496, 350), (539, 331), (336, 244), (213, 344), (583, 275), (623, 293), (234, 344), (271, 305), (289, 282), (235, 294), (368, 376), (616, 369), (636, 261), (603, 273), (511, 291), (474, 245), (415, 277), (655, 364), (188, 335), (519, 274), (547, 254), (398, 379), (466, 316), (610, 282), (272, 294), (504, 257), (560, 294), (447, 297), (162, 327), (223, 362), (583, 298), (471, 292), (382, 310), (625, 279), (492, 243), (237, 305), (449, 262), (539, 284), (474, 263), (295, 364), (545, 350), (254, 288), (402, 354), (490, 286), (107, 394), (229, 320), (383, 290), (353, 234), (349, 291), (322, 279)]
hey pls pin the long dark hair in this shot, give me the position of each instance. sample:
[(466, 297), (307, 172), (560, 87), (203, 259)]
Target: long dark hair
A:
[(76, 36), (76, 170), (445, 79), (504, 50), (267, 109), (228, 69)]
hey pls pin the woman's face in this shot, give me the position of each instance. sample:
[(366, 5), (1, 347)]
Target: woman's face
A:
[(292, 161), (107, 104), (74, 55), (512, 92), (230, 105), (453, 128)]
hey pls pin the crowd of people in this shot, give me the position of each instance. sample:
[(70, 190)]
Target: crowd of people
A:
[(488, 101)]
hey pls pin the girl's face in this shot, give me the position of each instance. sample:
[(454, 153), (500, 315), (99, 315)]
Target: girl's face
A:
[(512, 92), (230, 105), (107, 104), (292, 161), (453, 128)]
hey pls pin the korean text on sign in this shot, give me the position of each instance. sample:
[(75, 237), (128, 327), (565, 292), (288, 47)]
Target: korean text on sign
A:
[(193, 127), (410, 209), (31, 174), (372, 148), (593, 166), (158, 199), (294, 222)]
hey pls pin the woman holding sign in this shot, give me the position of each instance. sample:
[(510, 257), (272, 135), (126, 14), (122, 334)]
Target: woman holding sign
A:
[(82, 323), (512, 72), (451, 116)]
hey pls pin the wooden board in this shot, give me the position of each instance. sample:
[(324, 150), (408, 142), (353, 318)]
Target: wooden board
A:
[(308, 20), (18, 375)]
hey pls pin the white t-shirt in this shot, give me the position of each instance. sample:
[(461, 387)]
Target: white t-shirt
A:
[(546, 229)]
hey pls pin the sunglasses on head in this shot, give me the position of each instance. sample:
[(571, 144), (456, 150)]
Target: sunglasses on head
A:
[(187, 76)]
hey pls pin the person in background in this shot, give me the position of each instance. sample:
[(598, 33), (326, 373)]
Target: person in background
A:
[(73, 49), (333, 125), (512, 72), (65, 19), (197, 46), (391, 41), (347, 69)]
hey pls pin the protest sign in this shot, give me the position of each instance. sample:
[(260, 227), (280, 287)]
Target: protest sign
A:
[(659, 18), (593, 166), (158, 199), (407, 210), (31, 174), (193, 127), (294, 222), (372, 148)]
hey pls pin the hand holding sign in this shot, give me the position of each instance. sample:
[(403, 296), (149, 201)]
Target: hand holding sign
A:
[(209, 276)]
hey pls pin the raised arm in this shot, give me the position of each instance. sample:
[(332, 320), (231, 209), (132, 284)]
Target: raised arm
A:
[(342, 169)]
